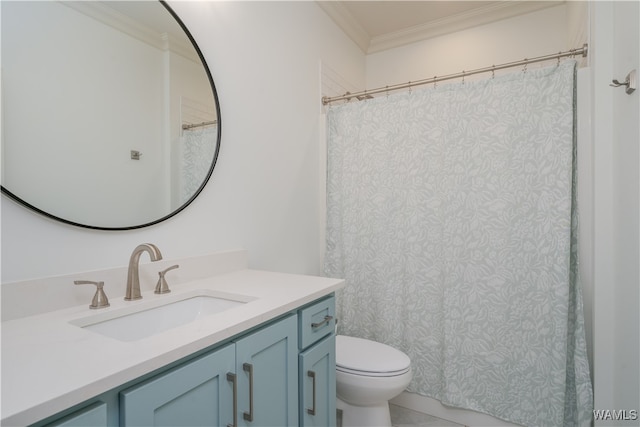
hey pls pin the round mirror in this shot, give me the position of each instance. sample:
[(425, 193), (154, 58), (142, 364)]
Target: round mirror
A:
[(110, 118)]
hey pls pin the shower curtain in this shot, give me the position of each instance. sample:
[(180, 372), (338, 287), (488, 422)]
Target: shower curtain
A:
[(198, 147), (451, 215)]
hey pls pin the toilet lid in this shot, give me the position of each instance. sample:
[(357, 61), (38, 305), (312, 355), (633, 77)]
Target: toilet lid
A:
[(357, 355)]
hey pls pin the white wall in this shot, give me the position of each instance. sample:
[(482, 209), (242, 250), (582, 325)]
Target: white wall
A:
[(616, 131), (263, 196), (626, 166), (526, 36)]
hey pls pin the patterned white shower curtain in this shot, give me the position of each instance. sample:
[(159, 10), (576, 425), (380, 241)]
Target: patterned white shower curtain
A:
[(451, 215), (198, 146)]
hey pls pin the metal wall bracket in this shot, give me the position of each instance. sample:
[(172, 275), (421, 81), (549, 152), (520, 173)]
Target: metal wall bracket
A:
[(135, 155), (630, 83)]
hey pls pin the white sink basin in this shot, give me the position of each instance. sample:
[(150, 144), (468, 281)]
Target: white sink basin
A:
[(145, 320)]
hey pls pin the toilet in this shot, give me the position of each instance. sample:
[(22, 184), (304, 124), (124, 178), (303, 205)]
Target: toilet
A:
[(368, 375)]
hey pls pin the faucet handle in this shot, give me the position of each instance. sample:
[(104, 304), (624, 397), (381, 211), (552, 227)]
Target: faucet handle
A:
[(162, 287), (100, 299)]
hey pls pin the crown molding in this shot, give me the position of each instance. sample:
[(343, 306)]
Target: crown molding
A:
[(133, 28), (347, 23), (458, 22)]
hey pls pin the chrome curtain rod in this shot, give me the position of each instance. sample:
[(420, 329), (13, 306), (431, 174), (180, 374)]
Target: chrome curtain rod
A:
[(199, 125), (366, 94)]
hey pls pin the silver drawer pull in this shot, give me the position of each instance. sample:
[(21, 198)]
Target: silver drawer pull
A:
[(232, 379), (248, 367), (326, 319), (312, 375)]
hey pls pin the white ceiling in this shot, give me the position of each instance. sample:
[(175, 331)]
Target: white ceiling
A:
[(380, 25)]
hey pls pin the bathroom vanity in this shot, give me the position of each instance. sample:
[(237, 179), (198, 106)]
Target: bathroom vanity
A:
[(241, 348)]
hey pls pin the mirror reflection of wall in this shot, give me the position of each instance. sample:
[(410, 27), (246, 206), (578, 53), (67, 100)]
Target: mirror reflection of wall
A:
[(79, 94)]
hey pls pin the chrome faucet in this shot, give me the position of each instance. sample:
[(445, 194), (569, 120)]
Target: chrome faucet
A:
[(133, 276)]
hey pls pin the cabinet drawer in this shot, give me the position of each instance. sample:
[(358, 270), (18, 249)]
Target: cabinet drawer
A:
[(316, 321)]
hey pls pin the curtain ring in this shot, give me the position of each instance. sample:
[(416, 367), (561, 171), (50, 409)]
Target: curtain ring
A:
[(409, 88), (493, 71), (387, 91), (463, 74), (524, 70), (435, 83), (558, 59)]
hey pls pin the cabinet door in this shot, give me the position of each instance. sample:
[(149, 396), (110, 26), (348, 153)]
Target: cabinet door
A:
[(194, 394), (267, 373), (318, 384), (94, 415)]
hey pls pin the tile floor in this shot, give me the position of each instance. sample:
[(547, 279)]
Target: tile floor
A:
[(402, 417)]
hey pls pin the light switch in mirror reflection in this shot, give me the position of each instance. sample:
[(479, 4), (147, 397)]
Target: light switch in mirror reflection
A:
[(84, 84)]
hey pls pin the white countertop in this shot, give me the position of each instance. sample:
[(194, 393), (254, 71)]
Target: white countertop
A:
[(49, 364)]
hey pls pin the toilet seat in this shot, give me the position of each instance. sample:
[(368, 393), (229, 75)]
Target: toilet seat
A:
[(363, 357), (372, 374)]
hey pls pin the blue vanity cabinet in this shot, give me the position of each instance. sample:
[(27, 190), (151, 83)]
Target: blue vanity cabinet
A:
[(256, 375), (196, 393), (267, 374), (94, 415), (317, 364)]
